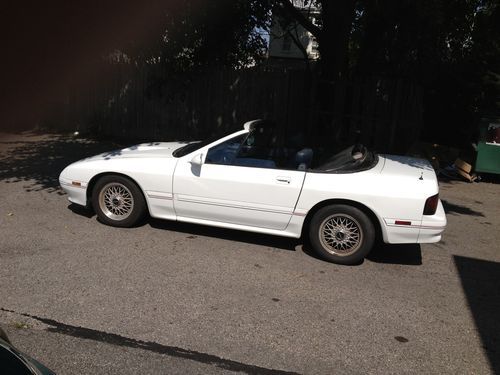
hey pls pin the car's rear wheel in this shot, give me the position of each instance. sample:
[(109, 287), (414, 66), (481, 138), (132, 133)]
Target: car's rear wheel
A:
[(341, 234), (118, 201)]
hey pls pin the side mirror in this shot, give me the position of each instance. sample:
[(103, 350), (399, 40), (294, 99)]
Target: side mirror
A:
[(197, 160)]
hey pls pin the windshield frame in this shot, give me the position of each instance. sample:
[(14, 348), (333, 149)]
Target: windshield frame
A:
[(197, 145), (214, 140)]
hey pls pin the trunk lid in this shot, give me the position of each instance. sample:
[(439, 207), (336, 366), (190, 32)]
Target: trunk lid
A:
[(407, 167)]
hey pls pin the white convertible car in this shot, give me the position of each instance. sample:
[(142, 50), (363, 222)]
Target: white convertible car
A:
[(255, 181)]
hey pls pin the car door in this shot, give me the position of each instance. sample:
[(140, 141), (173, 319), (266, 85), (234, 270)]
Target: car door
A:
[(238, 182)]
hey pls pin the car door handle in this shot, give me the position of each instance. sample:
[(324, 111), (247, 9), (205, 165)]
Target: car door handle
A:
[(283, 180)]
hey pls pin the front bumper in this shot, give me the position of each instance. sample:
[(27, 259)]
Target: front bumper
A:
[(76, 190)]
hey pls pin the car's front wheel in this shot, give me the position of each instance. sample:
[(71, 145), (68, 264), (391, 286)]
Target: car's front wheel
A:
[(118, 201), (341, 234)]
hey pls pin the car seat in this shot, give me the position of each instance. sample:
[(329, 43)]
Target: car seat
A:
[(303, 159)]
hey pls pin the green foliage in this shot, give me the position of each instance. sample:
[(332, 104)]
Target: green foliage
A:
[(450, 47), (198, 34), (414, 37)]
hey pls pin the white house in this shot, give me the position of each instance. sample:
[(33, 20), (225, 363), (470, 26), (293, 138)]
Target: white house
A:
[(290, 41)]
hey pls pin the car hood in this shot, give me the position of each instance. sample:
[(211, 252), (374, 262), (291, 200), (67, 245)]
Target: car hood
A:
[(143, 150)]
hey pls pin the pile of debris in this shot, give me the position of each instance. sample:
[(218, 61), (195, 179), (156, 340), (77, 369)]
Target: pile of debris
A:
[(448, 162), (459, 169)]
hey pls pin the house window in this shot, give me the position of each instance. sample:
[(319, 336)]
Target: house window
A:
[(314, 46)]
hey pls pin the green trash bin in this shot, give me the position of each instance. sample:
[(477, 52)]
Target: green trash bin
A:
[(488, 147)]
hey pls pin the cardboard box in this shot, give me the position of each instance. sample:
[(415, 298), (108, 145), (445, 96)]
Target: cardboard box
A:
[(464, 166), (464, 169)]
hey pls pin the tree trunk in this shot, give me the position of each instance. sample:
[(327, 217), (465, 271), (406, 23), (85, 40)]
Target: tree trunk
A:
[(338, 17), (370, 43)]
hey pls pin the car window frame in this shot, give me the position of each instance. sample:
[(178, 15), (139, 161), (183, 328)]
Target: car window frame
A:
[(235, 135), (204, 151), (246, 134)]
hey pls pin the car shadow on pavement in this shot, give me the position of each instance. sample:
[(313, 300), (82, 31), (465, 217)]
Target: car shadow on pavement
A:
[(283, 243), (456, 209), (80, 210), (407, 254), (481, 284)]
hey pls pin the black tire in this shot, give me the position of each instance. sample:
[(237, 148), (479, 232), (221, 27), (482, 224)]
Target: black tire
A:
[(341, 234), (118, 201)]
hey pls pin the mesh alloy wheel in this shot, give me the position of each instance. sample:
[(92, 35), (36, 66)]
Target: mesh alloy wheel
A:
[(116, 201), (341, 234)]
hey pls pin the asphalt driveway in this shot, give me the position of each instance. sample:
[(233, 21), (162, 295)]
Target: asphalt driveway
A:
[(169, 298)]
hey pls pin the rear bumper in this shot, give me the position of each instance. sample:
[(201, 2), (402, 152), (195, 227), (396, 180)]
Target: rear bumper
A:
[(432, 226), (428, 230)]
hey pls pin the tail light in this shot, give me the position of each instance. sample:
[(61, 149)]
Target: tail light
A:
[(431, 205)]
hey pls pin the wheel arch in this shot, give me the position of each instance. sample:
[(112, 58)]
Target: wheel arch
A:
[(94, 179), (377, 222)]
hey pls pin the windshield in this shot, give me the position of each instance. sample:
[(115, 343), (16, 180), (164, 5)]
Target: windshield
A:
[(196, 145)]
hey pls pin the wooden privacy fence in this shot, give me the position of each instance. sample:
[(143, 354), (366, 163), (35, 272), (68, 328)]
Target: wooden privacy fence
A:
[(151, 103)]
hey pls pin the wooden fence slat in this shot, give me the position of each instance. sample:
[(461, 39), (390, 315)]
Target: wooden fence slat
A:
[(148, 102)]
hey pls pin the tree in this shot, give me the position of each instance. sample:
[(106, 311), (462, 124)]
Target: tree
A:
[(332, 33), (44, 48), (199, 34), (450, 47)]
